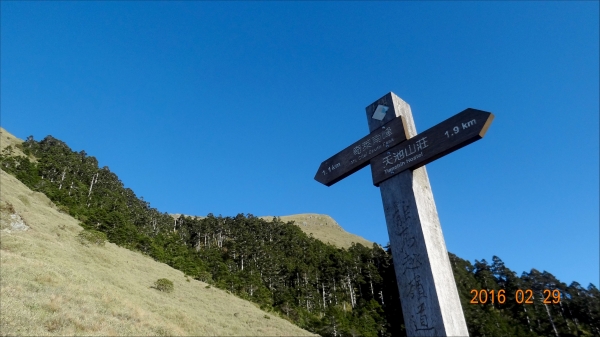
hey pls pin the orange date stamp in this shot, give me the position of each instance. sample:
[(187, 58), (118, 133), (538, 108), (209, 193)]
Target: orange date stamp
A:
[(484, 296)]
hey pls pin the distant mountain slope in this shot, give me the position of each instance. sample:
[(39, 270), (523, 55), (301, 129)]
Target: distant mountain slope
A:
[(7, 139), (324, 228), (49, 284), (52, 284), (320, 226)]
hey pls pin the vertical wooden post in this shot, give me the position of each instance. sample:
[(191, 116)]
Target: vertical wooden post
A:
[(428, 293)]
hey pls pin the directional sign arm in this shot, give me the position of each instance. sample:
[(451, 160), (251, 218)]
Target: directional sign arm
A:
[(450, 135), (357, 155)]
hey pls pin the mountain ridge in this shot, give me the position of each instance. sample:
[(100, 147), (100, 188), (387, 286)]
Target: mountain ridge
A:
[(324, 228), (273, 264), (321, 226)]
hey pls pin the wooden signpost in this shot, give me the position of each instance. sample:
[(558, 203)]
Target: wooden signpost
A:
[(450, 135), (357, 155), (428, 294)]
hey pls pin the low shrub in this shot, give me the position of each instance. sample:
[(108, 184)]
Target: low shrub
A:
[(164, 284), (9, 208), (88, 236), (82, 218), (24, 200), (205, 277)]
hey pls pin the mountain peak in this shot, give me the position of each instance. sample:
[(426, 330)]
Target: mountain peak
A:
[(324, 228)]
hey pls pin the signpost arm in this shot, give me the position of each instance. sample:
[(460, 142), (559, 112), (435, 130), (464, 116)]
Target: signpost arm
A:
[(430, 301)]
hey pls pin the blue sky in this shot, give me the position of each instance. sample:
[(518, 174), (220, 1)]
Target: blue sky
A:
[(230, 107)]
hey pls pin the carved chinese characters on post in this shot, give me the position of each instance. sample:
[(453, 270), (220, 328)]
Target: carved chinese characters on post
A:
[(430, 301), (410, 263)]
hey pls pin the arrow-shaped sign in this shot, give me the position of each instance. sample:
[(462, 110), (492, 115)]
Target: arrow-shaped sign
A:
[(450, 135), (357, 155)]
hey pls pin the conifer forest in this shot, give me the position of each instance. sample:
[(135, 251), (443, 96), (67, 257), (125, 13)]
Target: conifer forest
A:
[(324, 289)]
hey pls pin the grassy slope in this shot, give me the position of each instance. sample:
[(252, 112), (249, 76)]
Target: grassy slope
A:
[(50, 284), (7, 139), (324, 228), (321, 226)]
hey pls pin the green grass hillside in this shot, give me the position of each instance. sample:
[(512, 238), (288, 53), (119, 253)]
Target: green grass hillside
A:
[(324, 228), (51, 284)]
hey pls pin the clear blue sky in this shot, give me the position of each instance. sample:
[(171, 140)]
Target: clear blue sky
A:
[(230, 107)]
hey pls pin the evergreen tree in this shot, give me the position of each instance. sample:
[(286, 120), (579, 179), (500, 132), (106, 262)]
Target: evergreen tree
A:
[(325, 289)]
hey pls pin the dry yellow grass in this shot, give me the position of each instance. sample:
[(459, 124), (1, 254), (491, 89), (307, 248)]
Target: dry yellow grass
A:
[(321, 226), (324, 228), (7, 139), (50, 284)]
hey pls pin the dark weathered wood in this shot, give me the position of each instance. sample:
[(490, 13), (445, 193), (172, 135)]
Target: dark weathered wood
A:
[(430, 302), (450, 135), (357, 155)]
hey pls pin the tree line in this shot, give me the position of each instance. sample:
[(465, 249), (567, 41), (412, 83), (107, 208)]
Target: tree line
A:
[(324, 289)]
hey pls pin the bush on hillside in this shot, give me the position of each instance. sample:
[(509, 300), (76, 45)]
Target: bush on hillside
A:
[(205, 277), (88, 236), (164, 284), (9, 208)]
